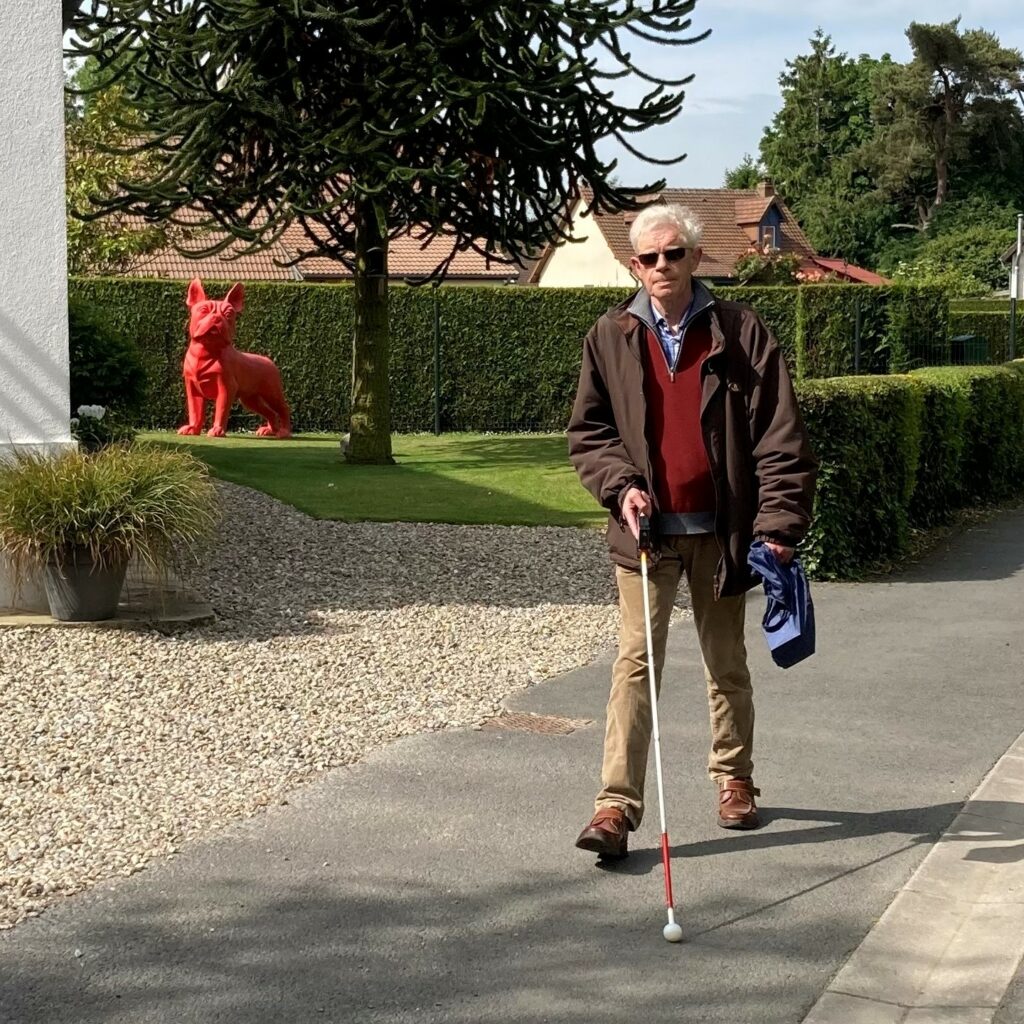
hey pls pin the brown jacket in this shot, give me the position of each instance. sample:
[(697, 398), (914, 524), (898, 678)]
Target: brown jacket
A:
[(757, 446)]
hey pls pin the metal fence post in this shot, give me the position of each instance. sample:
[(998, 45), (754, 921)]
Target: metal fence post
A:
[(1012, 350), (1015, 292), (437, 362), (856, 333)]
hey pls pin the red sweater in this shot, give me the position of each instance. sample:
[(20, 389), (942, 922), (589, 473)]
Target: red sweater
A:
[(682, 477)]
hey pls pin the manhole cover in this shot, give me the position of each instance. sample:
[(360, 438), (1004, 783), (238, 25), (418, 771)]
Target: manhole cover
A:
[(551, 725)]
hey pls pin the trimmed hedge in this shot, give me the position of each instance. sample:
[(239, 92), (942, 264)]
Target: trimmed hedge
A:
[(866, 432), (945, 414), (993, 326), (779, 307), (900, 325), (510, 356), (979, 305), (903, 452)]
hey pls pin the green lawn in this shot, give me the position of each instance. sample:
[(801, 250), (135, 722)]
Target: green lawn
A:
[(508, 479)]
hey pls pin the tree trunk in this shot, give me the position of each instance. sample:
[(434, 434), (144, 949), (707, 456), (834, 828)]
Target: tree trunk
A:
[(370, 417)]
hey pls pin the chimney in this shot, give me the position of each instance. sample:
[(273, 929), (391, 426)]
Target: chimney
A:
[(765, 189)]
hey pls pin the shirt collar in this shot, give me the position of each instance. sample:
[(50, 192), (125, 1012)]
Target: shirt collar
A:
[(642, 308), (660, 320)]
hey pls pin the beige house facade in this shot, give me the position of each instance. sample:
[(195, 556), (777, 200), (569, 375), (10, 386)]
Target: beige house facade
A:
[(585, 262)]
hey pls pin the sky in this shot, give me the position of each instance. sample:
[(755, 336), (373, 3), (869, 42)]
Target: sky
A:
[(735, 92)]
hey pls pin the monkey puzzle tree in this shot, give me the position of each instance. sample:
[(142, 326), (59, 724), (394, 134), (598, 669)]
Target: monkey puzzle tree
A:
[(477, 121)]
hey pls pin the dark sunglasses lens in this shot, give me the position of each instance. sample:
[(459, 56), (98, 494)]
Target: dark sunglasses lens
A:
[(650, 259)]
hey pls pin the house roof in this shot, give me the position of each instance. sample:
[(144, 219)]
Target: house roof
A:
[(842, 269), (750, 211), (408, 256), (722, 211)]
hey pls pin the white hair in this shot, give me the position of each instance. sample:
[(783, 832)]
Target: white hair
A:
[(673, 215)]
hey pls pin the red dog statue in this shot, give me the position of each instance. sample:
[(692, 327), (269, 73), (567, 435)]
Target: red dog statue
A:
[(216, 371)]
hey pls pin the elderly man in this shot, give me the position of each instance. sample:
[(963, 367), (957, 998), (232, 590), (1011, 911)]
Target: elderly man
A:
[(685, 412)]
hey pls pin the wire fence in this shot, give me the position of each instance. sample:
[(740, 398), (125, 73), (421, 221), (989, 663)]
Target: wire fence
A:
[(862, 343)]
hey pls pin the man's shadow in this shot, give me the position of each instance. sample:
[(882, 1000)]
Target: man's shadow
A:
[(992, 820), (984, 822)]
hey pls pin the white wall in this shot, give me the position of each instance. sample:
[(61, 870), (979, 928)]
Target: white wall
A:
[(588, 262), (33, 257)]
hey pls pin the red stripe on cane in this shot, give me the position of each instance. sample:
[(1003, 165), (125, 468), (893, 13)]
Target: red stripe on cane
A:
[(669, 902)]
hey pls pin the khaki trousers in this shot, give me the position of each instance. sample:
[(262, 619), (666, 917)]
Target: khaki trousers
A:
[(720, 633)]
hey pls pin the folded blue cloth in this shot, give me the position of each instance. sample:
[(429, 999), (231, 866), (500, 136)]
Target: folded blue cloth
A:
[(788, 622)]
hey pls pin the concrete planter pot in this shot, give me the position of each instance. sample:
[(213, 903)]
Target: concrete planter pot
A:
[(80, 590)]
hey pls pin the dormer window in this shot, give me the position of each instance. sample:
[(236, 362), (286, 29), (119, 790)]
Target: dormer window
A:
[(768, 237)]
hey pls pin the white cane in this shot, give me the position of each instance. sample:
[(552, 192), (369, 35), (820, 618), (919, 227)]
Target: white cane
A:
[(672, 931)]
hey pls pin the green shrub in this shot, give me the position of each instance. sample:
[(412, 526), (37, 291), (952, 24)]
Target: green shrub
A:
[(152, 313), (105, 366), (866, 432), (989, 305), (512, 360), (917, 327), (945, 414), (953, 276), (993, 464), (903, 452)]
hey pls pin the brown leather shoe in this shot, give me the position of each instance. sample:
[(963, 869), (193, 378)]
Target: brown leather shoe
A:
[(736, 807), (607, 834)]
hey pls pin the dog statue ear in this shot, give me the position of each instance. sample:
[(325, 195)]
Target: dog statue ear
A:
[(195, 293), (236, 297)]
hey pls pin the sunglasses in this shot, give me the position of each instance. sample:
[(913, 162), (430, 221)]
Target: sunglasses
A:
[(650, 259)]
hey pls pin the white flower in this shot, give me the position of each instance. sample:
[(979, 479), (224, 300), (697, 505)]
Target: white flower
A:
[(74, 422), (94, 412)]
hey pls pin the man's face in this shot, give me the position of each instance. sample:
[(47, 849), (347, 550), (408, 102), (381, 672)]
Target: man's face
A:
[(666, 280)]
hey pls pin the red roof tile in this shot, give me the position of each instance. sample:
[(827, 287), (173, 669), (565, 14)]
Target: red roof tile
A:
[(750, 211), (408, 256)]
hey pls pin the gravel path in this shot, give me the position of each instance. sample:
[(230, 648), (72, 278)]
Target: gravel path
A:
[(331, 639)]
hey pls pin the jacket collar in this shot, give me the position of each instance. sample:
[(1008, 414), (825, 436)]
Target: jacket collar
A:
[(634, 316), (642, 308)]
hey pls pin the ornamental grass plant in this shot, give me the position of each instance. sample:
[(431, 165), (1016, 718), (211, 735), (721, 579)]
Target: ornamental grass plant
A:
[(107, 507)]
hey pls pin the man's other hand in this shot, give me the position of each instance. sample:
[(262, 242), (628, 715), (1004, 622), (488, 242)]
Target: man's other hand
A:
[(783, 554), (635, 503)]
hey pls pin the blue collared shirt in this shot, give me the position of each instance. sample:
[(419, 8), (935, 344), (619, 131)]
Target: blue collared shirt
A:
[(671, 340)]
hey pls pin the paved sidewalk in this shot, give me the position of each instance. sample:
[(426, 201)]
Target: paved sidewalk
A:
[(437, 882), (949, 945)]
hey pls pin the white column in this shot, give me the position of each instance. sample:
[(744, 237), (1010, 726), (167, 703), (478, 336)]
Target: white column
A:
[(34, 393)]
